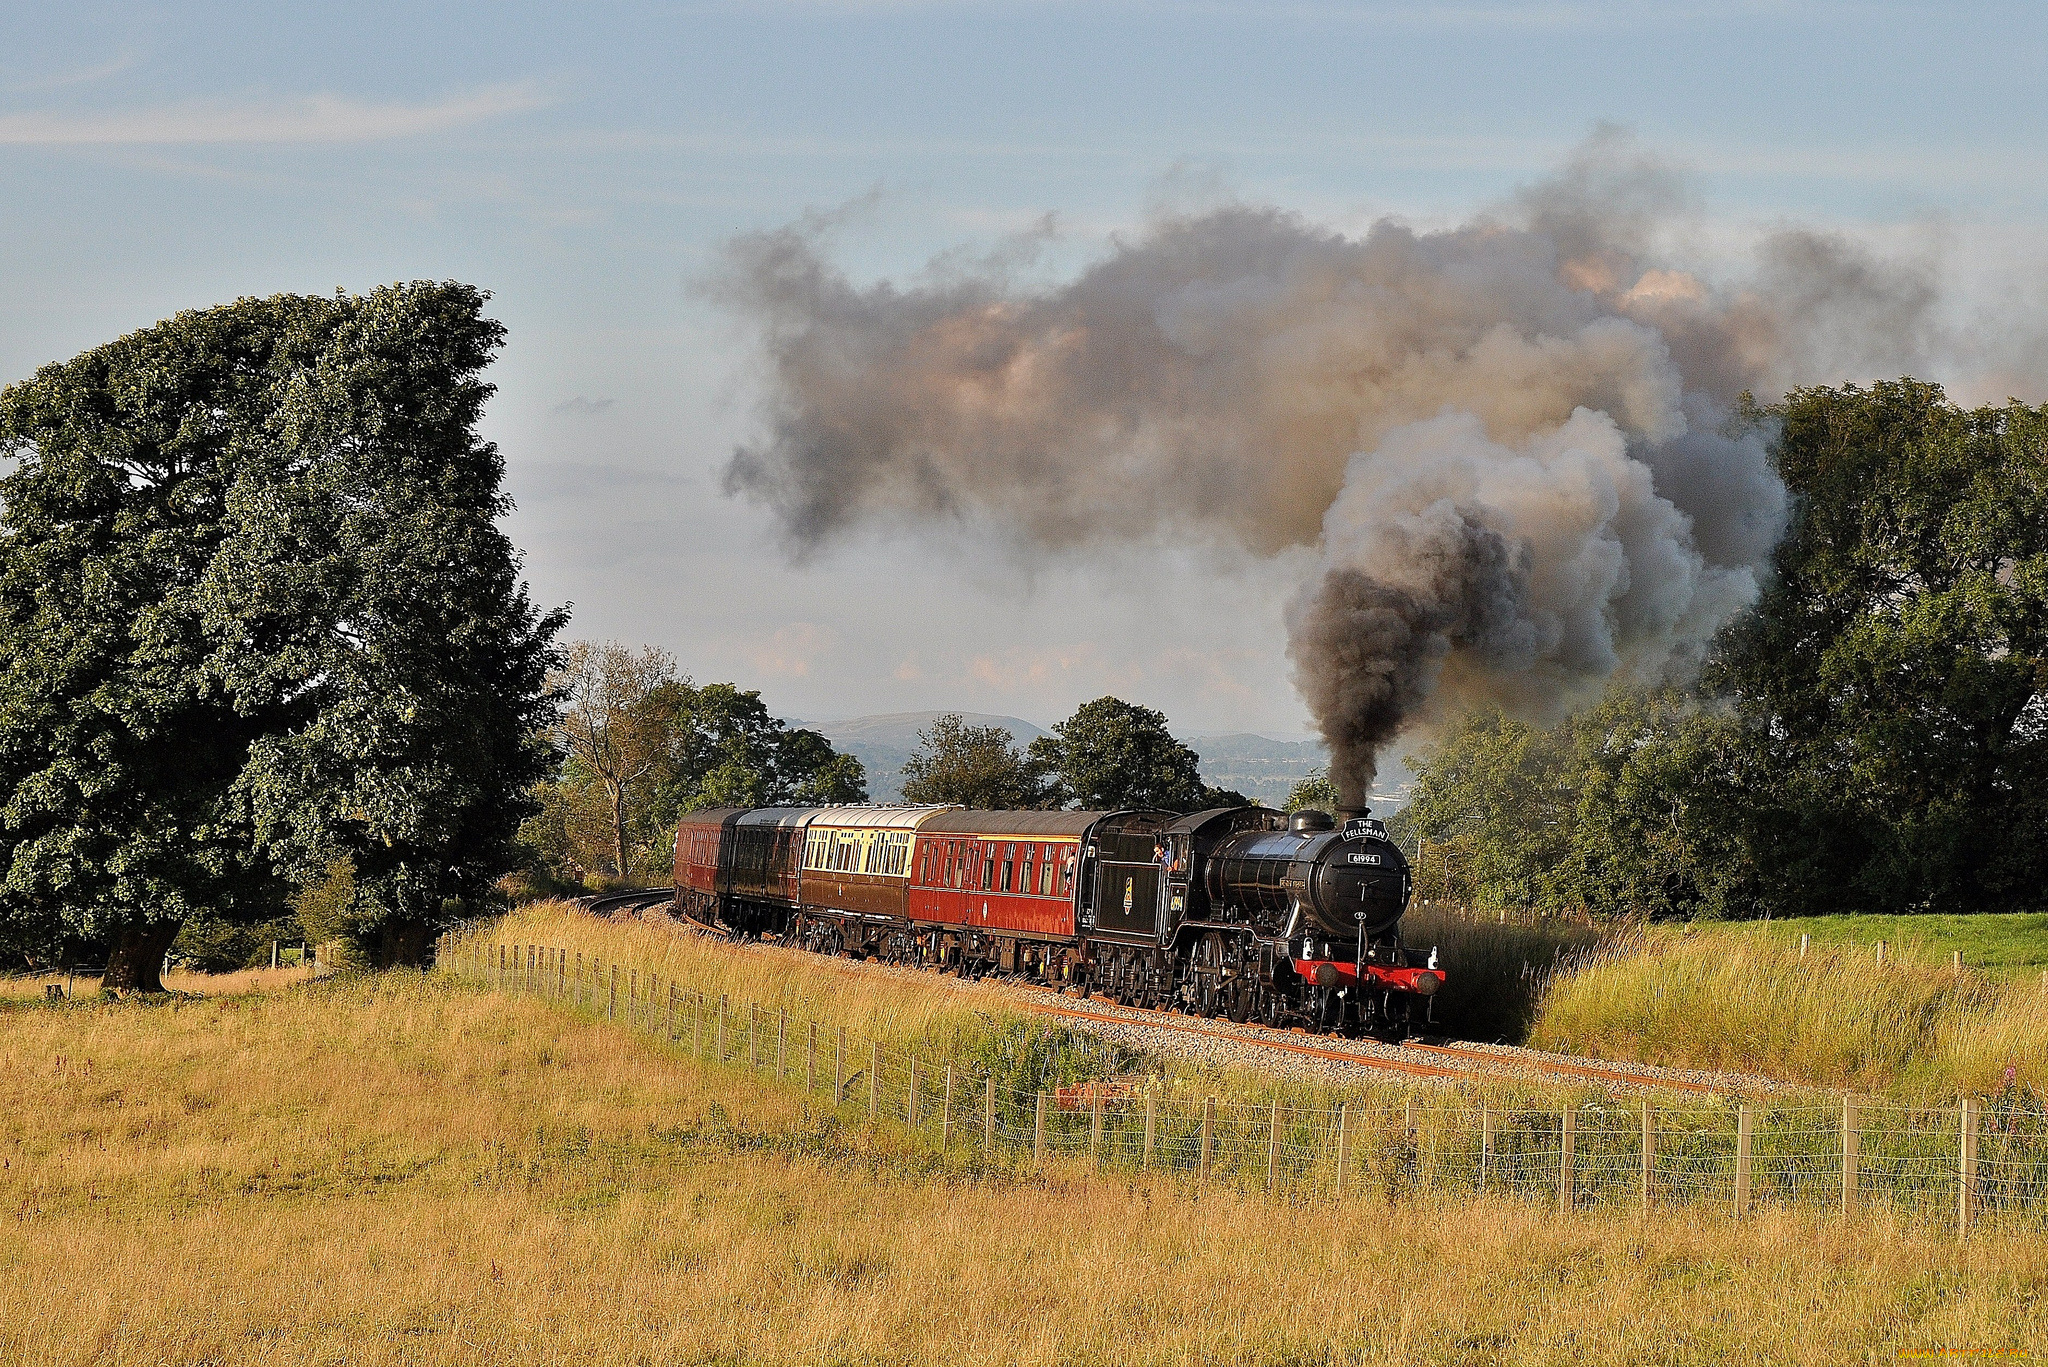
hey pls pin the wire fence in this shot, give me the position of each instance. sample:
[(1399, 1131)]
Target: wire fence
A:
[(1957, 1165)]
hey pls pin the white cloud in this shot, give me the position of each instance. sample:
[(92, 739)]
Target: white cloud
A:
[(57, 80), (313, 119)]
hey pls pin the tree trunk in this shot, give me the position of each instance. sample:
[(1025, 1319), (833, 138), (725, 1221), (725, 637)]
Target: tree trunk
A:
[(619, 829), (136, 962)]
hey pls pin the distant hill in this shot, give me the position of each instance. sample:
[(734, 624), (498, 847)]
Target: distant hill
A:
[(1261, 768), (884, 741)]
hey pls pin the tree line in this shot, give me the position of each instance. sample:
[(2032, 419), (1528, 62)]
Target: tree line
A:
[(1871, 736), (641, 744)]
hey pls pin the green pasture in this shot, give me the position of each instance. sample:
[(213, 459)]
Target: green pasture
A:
[(2001, 945)]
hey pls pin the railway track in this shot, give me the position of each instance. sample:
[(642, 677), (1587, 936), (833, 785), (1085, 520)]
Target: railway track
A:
[(1443, 1060), (636, 899)]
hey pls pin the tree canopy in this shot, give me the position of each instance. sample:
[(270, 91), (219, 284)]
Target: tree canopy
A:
[(257, 617), (973, 766), (1113, 754), (639, 744)]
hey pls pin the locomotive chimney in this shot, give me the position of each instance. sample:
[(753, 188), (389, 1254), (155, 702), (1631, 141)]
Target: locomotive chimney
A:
[(1346, 812)]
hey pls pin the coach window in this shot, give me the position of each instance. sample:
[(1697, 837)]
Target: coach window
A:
[(1028, 877), (988, 867)]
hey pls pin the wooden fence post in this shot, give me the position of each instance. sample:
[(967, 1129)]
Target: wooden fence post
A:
[(1649, 1151), (1273, 1147), (632, 993), (910, 1110), (988, 1119), (839, 1067), (1095, 1127), (781, 1044), (561, 973), (1038, 1133), (1851, 1139), (1743, 1124), (753, 1038), (1343, 1117), (1566, 1124), (675, 1002), (875, 1083), (719, 1042), (611, 1010), (946, 1113), (811, 1061), (1485, 1145), (696, 1025), (1151, 1120), (1966, 1168), (1208, 1133)]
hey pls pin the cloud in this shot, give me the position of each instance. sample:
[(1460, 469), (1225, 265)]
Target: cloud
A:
[(58, 80), (791, 651), (313, 119)]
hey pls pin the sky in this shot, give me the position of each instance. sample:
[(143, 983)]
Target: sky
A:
[(589, 164)]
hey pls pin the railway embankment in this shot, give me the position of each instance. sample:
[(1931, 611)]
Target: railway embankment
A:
[(1029, 1075)]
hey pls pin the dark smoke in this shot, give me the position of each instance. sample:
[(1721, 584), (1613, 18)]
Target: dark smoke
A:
[(1545, 374), (1367, 652)]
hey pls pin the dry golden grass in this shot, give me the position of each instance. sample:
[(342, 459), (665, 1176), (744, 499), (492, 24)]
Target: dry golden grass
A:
[(32, 988), (408, 1170), (882, 1003), (1746, 1001)]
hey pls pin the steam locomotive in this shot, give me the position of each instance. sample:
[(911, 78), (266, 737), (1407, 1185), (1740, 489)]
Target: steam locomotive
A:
[(1241, 912)]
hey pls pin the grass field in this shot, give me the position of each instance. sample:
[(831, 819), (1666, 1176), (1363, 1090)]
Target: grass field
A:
[(1744, 999), (32, 987), (409, 1170), (2001, 945)]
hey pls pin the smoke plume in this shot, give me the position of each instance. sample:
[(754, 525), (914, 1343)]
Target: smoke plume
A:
[(1516, 442)]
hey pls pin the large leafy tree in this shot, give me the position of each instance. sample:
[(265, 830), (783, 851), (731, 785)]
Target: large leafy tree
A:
[(257, 620), (1896, 669), (726, 750), (1112, 754), (973, 766)]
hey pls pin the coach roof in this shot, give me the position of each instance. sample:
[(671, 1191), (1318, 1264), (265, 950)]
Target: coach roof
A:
[(878, 818), (1012, 823)]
